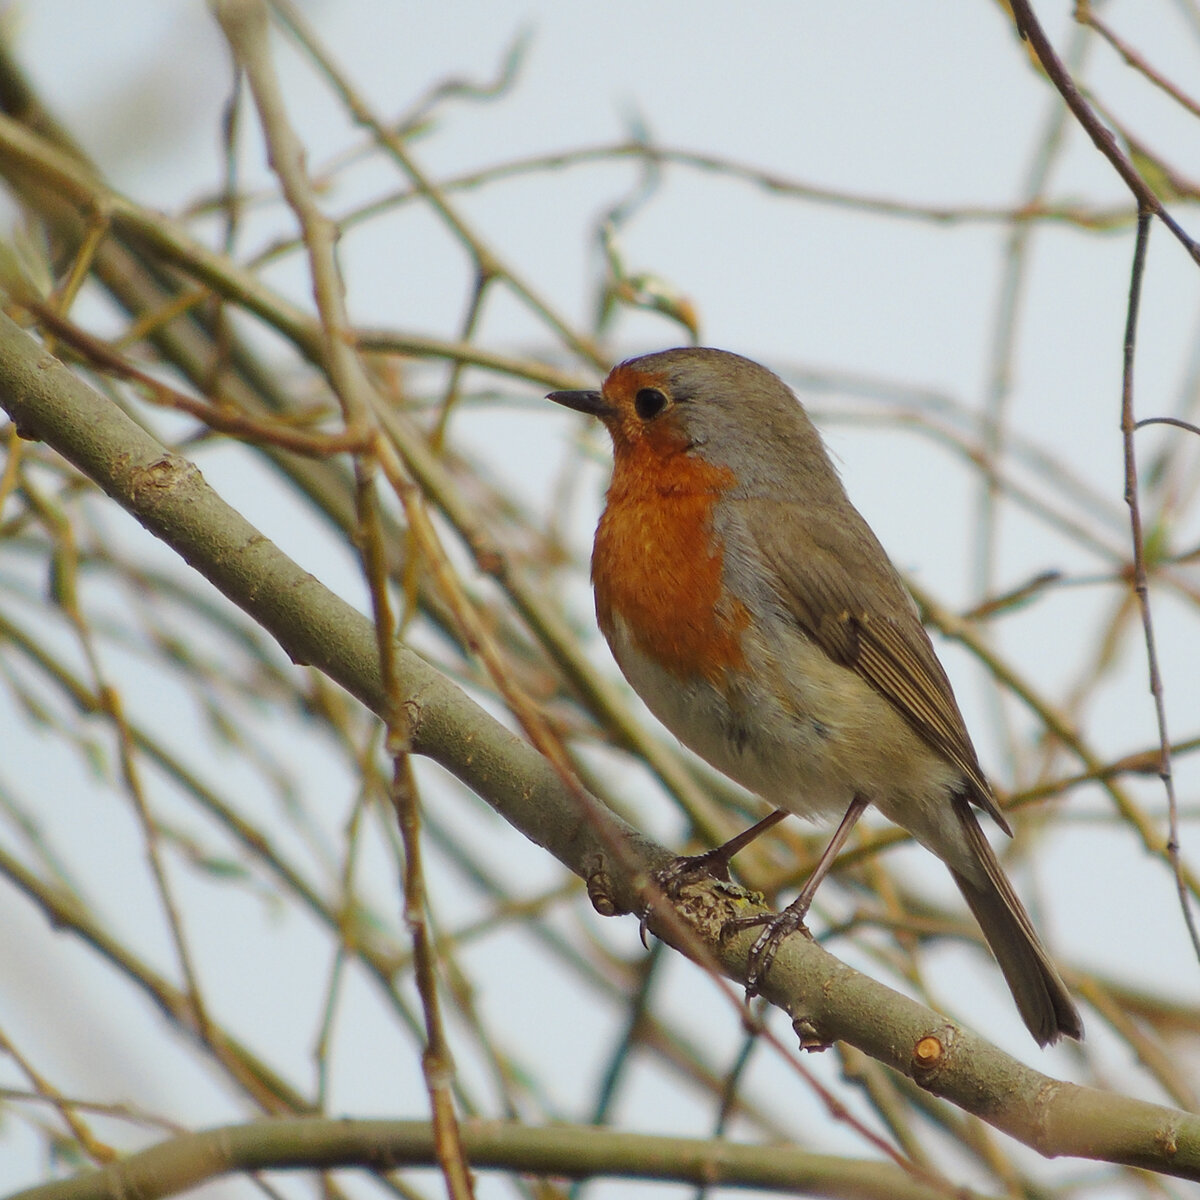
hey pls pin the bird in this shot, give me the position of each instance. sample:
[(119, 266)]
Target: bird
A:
[(750, 605)]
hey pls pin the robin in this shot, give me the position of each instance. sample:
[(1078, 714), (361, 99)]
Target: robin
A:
[(751, 607)]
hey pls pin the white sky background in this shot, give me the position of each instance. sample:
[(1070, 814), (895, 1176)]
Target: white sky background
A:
[(928, 103)]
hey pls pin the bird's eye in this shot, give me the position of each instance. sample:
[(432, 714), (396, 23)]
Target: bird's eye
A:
[(649, 402)]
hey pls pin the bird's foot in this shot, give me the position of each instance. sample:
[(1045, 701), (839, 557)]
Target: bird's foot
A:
[(679, 872), (692, 868), (776, 927)]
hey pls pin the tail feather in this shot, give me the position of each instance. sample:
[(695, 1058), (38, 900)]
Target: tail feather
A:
[(1042, 998)]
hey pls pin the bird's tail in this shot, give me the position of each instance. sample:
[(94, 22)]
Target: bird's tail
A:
[(1042, 998)]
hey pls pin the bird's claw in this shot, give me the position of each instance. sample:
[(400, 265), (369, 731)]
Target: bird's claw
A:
[(690, 868), (687, 868), (776, 927)]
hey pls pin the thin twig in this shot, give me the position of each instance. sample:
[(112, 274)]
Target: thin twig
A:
[(1030, 30), (221, 417), (92, 1146), (245, 24), (1086, 16), (486, 260), (1141, 584), (995, 433), (1101, 220)]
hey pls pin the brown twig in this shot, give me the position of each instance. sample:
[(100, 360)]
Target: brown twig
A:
[(1031, 30), (1085, 14), (487, 262), (245, 23), (223, 418), (1141, 584)]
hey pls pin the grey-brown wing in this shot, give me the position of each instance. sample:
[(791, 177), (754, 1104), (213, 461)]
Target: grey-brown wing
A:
[(845, 594)]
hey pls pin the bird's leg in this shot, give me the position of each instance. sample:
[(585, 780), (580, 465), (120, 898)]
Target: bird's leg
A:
[(780, 925), (713, 864)]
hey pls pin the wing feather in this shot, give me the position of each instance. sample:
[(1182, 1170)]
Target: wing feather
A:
[(846, 595)]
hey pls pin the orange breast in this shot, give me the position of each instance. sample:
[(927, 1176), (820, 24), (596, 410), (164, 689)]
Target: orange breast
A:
[(657, 566)]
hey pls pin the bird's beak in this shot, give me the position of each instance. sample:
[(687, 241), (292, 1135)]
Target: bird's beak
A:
[(592, 403)]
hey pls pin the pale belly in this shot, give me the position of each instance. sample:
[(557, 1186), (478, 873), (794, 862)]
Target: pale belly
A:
[(809, 740)]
